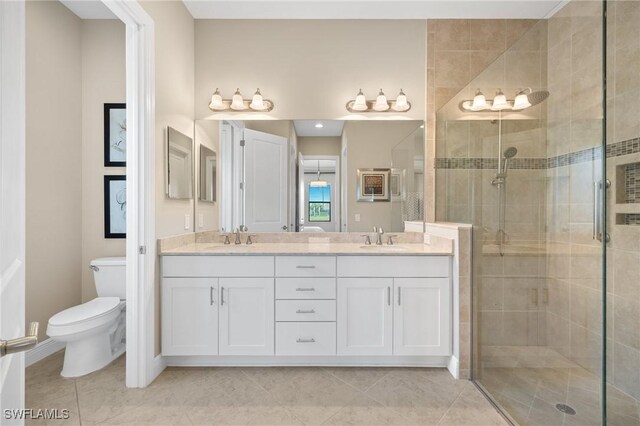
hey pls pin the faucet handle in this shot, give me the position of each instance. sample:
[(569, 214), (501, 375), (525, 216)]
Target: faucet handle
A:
[(375, 229), (367, 239), (380, 231), (390, 239), (226, 239), (249, 241)]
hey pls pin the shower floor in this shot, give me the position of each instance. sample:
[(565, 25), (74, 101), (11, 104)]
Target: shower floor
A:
[(529, 381)]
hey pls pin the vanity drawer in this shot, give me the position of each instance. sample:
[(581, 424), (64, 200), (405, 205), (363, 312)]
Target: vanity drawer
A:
[(306, 338), (394, 266), (305, 310), (305, 288), (306, 266), (217, 266)]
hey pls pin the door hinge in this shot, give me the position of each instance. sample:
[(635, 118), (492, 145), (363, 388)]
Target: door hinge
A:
[(142, 249), (241, 185), (242, 142)]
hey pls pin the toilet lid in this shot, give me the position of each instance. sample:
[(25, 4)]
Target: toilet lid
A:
[(92, 309)]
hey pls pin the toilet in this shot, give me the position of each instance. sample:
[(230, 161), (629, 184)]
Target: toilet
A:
[(94, 332)]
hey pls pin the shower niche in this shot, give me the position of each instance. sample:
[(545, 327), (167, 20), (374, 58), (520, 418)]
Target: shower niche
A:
[(627, 206)]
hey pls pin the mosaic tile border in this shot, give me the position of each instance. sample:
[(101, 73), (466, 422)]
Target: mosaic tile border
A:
[(631, 146)]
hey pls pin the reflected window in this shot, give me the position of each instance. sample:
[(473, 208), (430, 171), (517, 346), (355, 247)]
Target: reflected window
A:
[(320, 203)]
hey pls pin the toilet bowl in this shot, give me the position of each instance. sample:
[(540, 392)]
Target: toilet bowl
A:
[(94, 332)]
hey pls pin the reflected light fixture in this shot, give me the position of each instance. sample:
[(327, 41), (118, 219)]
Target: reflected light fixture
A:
[(319, 183), (401, 103), (499, 102), (237, 103), (381, 102), (479, 101), (216, 101), (257, 103), (521, 101)]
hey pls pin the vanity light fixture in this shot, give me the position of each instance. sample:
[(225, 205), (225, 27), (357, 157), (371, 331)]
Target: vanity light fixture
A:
[(237, 104), (381, 104), (499, 102), (524, 99), (479, 101)]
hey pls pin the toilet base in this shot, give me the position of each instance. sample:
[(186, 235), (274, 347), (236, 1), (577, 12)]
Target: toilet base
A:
[(88, 355)]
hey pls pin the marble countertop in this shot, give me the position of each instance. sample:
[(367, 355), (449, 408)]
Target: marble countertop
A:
[(293, 249)]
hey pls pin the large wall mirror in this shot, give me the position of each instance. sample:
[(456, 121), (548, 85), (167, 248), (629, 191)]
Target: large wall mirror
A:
[(309, 175)]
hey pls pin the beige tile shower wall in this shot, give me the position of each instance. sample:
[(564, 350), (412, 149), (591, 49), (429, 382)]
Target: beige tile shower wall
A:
[(574, 264), (103, 81), (623, 253), (53, 160)]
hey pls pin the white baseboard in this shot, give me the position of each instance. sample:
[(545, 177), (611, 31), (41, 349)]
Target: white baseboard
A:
[(454, 367), (42, 350), (159, 364), (306, 361)]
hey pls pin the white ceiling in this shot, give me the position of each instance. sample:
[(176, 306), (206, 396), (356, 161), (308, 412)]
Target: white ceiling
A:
[(371, 9), (89, 9), (307, 128)]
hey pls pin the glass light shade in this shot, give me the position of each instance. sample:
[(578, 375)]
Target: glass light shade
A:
[(499, 102), (479, 102), (318, 184), (467, 105), (257, 103), (521, 102), (216, 101), (401, 102), (381, 102), (237, 103), (360, 104)]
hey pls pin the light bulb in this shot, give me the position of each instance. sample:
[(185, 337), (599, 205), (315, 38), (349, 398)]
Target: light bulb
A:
[(216, 101), (521, 102), (401, 102), (360, 104), (257, 103), (479, 102), (381, 102), (319, 126), (237, 103), (499, 102)]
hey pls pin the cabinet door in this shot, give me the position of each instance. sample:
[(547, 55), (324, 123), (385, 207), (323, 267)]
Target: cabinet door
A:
[(365, 316), (422, 316), (247, 316), (190, 316)]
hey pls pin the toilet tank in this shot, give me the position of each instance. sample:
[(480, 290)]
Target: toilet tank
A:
[(110, 276)]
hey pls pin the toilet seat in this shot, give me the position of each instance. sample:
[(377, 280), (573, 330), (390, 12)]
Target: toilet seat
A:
[(95, 313)]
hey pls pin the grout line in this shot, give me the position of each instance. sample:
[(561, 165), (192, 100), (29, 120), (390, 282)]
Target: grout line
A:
[(75, 385)]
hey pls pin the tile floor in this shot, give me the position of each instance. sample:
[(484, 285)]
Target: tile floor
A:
[(528, 381), (267, 396)]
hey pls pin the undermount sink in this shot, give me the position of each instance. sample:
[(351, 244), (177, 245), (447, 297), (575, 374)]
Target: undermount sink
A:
[(383, 248)]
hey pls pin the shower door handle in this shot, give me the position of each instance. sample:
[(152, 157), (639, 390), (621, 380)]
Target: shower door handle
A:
[(601, 188)]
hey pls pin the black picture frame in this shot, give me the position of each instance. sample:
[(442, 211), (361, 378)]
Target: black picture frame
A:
[(112, 229), (108, 162)]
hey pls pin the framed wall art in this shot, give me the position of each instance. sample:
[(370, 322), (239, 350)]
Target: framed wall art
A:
[(373, 185), (115, 206), (115, 135)]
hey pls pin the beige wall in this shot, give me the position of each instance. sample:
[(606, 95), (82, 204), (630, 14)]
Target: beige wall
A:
[(208, 135), (319, 145), (310, 68), (369, 146), (53, 161), (273, 127), (174, 61), (103, 81)]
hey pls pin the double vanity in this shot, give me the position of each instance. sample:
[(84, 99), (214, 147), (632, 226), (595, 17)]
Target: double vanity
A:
[(307, 301)]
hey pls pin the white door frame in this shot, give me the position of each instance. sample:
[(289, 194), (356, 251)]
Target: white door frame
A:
[(142, 365)]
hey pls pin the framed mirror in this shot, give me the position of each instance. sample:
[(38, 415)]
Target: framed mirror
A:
[(179, 165), (207, 182)]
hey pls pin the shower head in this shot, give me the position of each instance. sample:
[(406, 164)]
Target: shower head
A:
[(537, 97), (510, 152)]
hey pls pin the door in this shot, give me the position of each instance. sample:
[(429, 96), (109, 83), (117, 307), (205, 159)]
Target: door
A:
[(365, 316), (12, 201), (422, 322), (265, 182), (190, 316), (247, 316)]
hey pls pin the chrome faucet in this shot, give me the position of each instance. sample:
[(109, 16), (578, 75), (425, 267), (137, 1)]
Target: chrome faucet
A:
[(380, 233), (237, 234)]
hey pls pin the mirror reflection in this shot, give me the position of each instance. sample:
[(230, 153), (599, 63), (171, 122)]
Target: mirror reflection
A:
[(306, 175), (179, 165)]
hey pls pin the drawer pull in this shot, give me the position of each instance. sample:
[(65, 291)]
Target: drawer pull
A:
[(311, 311), (306, 340), (306, 267), (305, 289)]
